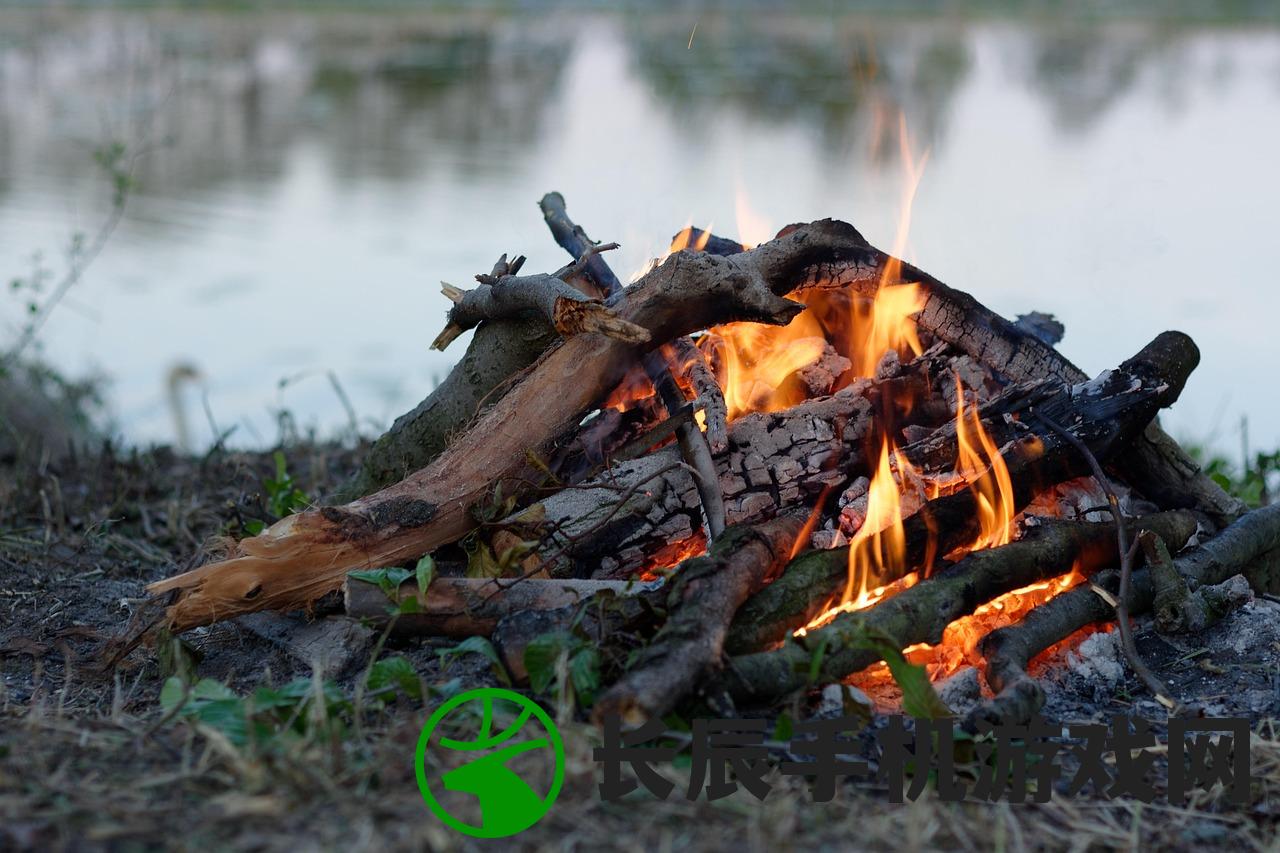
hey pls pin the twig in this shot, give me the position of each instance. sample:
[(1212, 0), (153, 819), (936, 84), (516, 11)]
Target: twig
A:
[(1139, 666)]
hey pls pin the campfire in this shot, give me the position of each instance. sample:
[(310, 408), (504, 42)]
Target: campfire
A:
[(758, 469)]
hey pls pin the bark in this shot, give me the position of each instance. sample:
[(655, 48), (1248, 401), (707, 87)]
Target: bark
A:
[(1156, 465), (1104, 414), (1254, 537), (305, 556), (922, 612), (468, 607), (705, 593), (637, 514)]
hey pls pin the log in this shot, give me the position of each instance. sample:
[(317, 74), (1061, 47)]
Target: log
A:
[(305, 556), (1252, 538), (922, 612), (705, 593), (1156, 465), (1105, 414), (498, 351), (469, 607)]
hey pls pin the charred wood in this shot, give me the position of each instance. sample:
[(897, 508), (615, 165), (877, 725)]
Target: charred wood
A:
[(705, 592)]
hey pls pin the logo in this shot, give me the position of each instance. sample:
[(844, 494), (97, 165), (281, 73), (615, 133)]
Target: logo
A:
[(497, 762)]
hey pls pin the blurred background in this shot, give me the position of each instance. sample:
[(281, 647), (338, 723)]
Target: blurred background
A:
[(255, 208)]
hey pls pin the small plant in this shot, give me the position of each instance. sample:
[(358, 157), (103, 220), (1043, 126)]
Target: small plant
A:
[(389, 580), (566, 662), (1253, 483), (303, 709), (283, 495)]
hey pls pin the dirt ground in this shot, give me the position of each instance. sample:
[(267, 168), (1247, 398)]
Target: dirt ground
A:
[(90, 760)]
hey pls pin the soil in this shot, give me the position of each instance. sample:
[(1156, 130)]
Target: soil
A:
[(89, 760)]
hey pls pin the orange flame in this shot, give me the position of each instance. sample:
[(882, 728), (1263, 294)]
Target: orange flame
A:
[(979, 462)]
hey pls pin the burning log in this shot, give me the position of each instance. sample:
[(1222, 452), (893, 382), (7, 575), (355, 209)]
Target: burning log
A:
[(640, 512), (1253, 537), (1105, 414), (469, 607), (920, 613), (705, 593), (303, 557), (1156, 465)]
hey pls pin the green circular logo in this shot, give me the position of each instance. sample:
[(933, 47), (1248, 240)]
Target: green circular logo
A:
[(498, 762)]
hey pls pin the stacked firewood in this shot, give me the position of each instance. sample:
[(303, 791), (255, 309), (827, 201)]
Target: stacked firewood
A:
[(698, 546)]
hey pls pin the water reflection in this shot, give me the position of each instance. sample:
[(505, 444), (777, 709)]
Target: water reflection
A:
[(848, 81), (313, 175)]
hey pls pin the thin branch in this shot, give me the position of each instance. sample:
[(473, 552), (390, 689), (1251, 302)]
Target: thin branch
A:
[(1127, 553)]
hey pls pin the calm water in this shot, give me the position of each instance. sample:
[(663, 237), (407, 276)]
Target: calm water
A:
[(310, 179)]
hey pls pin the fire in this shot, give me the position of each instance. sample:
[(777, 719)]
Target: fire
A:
[(763, 368), (979, 462), (684, 239), (879, 548)]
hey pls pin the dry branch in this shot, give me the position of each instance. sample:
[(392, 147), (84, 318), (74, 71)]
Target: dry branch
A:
[(705, 593), (467, 607), (1007, 651), (922, 612), (305, 556), (551, 297)]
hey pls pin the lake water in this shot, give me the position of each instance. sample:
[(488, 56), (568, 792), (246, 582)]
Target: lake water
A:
[(309, 180)]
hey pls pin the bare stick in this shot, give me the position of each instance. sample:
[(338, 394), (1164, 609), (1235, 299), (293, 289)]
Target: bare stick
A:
[(1139, 666)]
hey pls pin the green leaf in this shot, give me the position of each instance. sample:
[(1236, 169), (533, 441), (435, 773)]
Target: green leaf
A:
[(425, 572), (815, 659), (540, 658), (784, 728), (395, 672), (388, 579), (477, 646), (209, 689), (172, 693), (919, 699), (584, 672)]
